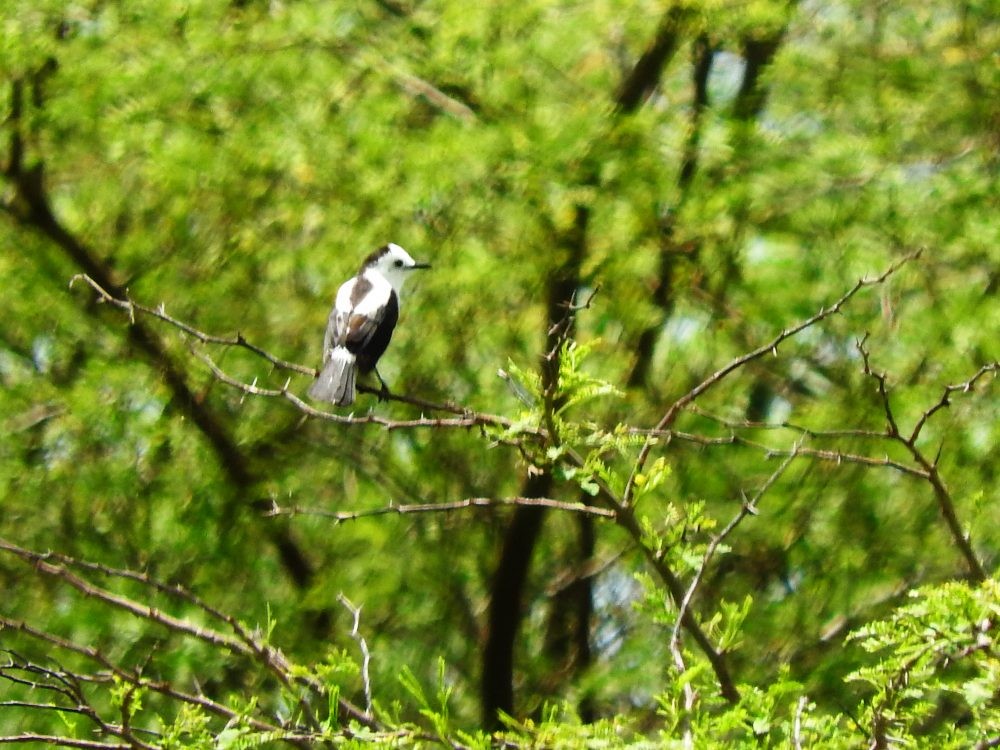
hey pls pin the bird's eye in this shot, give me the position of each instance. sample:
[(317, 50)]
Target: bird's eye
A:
[(398, 264)]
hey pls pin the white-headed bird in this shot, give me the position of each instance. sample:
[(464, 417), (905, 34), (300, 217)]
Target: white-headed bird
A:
[(361, 323)]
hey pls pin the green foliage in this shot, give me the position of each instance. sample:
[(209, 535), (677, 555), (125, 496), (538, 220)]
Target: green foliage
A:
[(937, 674), (233, 162), (192, 729)]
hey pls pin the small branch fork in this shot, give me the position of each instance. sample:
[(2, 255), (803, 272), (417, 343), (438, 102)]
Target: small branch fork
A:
[(674, 410), (923, 467), (63, 686), (928, 467), (748, 507), (160, 313)]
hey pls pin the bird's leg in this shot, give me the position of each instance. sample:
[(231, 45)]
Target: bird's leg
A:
[(384, 392)]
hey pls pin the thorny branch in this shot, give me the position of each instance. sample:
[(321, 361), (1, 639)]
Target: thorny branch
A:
[(946, 504), (836, 456), (467, 420), (945, 400), (472, 502), (159, 312), (67, 684), (748, 507), (922, 468), (240, 643), (57, 741), (62, 685), (770, 347), (133, 678), (625, 518), (624, 504), (465, 417)]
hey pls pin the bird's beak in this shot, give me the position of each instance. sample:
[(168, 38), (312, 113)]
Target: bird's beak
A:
[(420, 265)]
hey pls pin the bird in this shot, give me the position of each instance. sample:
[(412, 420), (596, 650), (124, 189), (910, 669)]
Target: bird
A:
[(361, 323)]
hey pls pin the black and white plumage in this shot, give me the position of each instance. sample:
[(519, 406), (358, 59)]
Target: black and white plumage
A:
[(364, 315)]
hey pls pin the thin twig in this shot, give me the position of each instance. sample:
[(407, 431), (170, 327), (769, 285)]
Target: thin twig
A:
[(472, 502), (892, 429), (41, 563), (45, 707), (800, 707), (748, 507), (263, 652), (363, 646), (625, 518), (55, 740), (945, 400), (837, 457), (132, 678), (468, 420), (272, 659), (131, 307), (790, 426)]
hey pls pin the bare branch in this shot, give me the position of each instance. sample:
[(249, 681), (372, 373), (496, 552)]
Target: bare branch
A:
[(946, 504), (50, 739), (139, 610), (137, 680), (469, 418), (44, 707), (833, 456), (675, 408), (472, 502), (626, 519), (747, 507), (176, 591), (925, 468), (242, 644), (791, 426), (892, 430), (363, 645), (132, 307), (837, 457), (945, 400)]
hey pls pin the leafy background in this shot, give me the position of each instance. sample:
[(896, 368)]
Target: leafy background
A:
[(234, 162)]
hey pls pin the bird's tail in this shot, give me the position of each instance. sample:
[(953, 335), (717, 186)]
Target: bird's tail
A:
[(337, 380)]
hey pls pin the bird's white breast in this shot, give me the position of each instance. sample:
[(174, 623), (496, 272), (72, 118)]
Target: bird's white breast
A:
[(371, 302)]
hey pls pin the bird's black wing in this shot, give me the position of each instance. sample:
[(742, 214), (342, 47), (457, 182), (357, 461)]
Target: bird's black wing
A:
[(367, 336)]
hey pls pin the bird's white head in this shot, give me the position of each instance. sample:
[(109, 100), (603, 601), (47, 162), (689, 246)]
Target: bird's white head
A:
[(393, 262)]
